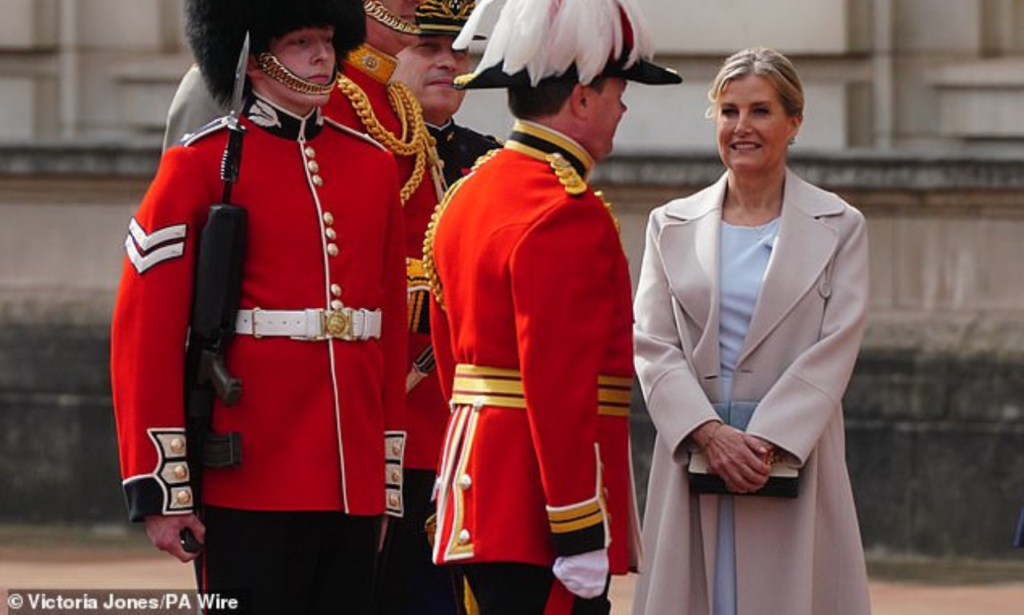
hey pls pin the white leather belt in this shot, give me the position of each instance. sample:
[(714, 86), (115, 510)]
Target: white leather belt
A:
[(311, 325)]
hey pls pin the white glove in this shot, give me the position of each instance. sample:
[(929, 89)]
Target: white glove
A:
[(585, 574)]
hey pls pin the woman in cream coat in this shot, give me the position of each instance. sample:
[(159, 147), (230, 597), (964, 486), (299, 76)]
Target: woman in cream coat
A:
[(793, 352)]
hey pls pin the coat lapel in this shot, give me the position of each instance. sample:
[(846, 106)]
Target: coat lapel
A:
[(803, 248), (690, 246)]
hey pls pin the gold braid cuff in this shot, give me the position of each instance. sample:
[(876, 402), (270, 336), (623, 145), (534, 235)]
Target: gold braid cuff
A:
[(415, 140), (277, 71), (380, 13)]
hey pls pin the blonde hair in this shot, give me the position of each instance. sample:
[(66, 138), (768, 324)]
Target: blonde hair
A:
[(763, 62)]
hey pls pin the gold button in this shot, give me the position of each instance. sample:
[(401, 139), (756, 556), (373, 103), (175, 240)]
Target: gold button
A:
[(180, 472), (332, 249), (396, 448), (463, 537), (396, 476), (317, 181), (336, 290), (465, 482), (331, 234), (337, 305), (177, 445), (313, 166), (310, 152), (184, 497), (393, 500), (328, 218)]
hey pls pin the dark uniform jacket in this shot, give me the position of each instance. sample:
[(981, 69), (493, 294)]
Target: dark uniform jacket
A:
[(459, 148)]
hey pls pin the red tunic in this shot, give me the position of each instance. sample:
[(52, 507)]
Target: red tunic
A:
[(533, 279), (325, 225), (427, 410)]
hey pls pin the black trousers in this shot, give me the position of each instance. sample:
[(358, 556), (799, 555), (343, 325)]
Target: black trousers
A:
[(291, 562), (408, 581), (507, 588)]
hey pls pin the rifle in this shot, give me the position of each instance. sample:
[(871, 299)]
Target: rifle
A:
[(216, 295)]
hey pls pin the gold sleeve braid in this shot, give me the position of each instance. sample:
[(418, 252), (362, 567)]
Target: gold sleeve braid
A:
[(415, 139)]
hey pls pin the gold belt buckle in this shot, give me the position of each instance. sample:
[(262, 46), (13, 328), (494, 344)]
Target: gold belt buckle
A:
[(338, 324)]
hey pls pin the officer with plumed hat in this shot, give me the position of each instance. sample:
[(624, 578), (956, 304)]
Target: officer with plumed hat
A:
[(284, 502), (531, 316)]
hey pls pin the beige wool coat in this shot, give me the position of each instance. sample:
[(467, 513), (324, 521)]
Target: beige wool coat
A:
[(793, 556)]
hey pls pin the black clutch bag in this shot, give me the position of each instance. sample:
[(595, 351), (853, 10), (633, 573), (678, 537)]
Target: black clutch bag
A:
[(784, 481)]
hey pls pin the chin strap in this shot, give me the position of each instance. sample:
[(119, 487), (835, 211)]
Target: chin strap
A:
[(273, 68), (380, 13)]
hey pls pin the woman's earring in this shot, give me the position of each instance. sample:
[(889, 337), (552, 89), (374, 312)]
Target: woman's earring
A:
[(792, 140)]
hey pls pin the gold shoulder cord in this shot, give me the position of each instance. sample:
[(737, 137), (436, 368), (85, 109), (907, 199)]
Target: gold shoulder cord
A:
[(428, 238), (608, 206), (428, 245), (416, 141)]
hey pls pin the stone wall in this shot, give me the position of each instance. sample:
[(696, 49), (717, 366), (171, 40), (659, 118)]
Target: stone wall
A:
[(880, 73), (934, 415)]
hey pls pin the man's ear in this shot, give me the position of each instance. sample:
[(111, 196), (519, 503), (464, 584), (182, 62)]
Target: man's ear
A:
[(579, 100), (252, 71)]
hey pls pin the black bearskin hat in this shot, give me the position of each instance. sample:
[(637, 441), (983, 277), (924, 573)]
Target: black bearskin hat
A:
[(216, 29)]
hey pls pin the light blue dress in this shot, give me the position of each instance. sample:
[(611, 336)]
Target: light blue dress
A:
[(745, 254)]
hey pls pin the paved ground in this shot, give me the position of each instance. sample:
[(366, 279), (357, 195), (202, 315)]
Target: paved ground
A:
[(33, 558)]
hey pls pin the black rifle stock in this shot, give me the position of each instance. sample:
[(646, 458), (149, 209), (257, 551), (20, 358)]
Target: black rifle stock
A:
[(218, 288)]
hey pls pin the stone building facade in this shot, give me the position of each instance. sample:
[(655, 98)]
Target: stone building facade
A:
[(887, 74), (913, 116)]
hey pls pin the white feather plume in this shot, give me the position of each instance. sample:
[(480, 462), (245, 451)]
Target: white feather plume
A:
[(472, 24), (547, 37)]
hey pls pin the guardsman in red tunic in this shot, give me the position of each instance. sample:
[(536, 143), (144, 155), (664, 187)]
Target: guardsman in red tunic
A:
[(532, 320), (371, 101), (319, 340)]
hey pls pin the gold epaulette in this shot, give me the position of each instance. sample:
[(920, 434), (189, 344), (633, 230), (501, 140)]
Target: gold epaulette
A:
[(567, 174)]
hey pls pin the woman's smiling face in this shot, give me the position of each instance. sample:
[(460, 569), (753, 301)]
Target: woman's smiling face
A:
[(753, 129)]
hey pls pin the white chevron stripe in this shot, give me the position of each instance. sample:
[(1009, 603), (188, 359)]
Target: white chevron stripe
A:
[(139, 242), (143, 262), (148, 240)]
